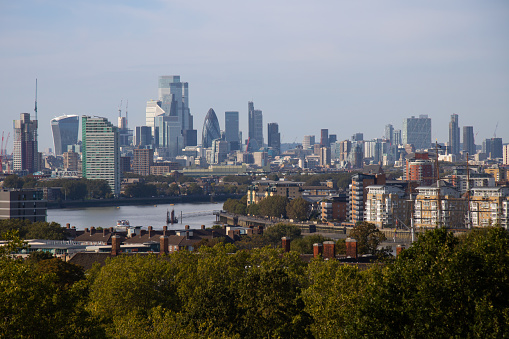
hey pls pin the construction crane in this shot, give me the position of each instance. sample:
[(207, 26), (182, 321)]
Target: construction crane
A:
[(2, 154), (495, 133), (247, 145), (120, 109)]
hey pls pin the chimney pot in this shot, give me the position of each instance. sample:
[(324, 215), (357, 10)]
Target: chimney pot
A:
[(115, 245), (399, 249), (329, 249), (351, 248), (163, 245), (187, 227), (317, 249), (286, 243)]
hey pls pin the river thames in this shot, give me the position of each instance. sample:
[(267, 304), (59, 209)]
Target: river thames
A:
[(194, 215)]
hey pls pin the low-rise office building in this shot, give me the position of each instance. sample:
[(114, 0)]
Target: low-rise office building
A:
[(23, 204)]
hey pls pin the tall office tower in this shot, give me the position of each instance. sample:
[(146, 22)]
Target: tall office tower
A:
[(324, 137), (255, 123), (396, 137), (308, 141), (357, 156), (358, 137), (231, 129), (345, 149), (153, 110), (468, 140), (454, 135), (125, 134), (325, 156), (100, 151), (174, 97), (417, 131), (211, 129), (71, 160), (389, 133), (143, 136), (65, 132), (492, 147), (219, 151), (332, 138), (169, 134), (274, 137), (373, 149), (26, 153), (142, 161)]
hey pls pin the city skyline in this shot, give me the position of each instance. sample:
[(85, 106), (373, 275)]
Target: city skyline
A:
[(367, 62)]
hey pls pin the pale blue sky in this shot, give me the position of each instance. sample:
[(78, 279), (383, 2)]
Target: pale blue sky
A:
[(350, 66)]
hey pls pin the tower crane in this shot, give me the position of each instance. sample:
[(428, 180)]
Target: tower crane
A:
[(2, 154)]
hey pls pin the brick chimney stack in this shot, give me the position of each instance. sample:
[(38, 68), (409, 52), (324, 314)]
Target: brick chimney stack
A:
[(187, 227), (329, 249), (92, 230), (68, 226), (105, 232), (399, 249), (163, 245), (115, 245), (317, 250), (202, 227), (285, 242), (351, 248), (165, 230), (150, 232)]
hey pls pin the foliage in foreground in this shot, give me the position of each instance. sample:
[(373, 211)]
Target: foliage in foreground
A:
[(443, 286)]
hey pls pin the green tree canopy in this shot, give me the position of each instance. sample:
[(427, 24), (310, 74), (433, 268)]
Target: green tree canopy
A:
[(273, 206), (298, 209), (368, 237)]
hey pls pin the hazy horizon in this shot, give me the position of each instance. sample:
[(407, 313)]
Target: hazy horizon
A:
[(346, 66)]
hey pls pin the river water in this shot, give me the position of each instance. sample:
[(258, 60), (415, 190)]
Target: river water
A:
[(194, 215)]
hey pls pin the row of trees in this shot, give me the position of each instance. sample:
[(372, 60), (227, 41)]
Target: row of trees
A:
[(72, 189), (273, 206), (443, 286), (32, 230)]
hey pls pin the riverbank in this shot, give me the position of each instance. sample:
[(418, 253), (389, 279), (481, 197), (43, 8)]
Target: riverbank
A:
[(141, 201)]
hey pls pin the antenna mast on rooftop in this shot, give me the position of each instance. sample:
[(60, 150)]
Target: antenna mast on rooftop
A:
[(35, 109)]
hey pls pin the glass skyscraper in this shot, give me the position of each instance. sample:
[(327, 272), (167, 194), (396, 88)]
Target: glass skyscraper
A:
[(231, 129), (274, 137), (65, 132), (454, 135), (211, 129), (417, 131), (101, 151), (255, 127), (174, 97)]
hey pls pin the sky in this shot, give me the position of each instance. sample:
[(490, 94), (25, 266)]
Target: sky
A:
[(349, 66)]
